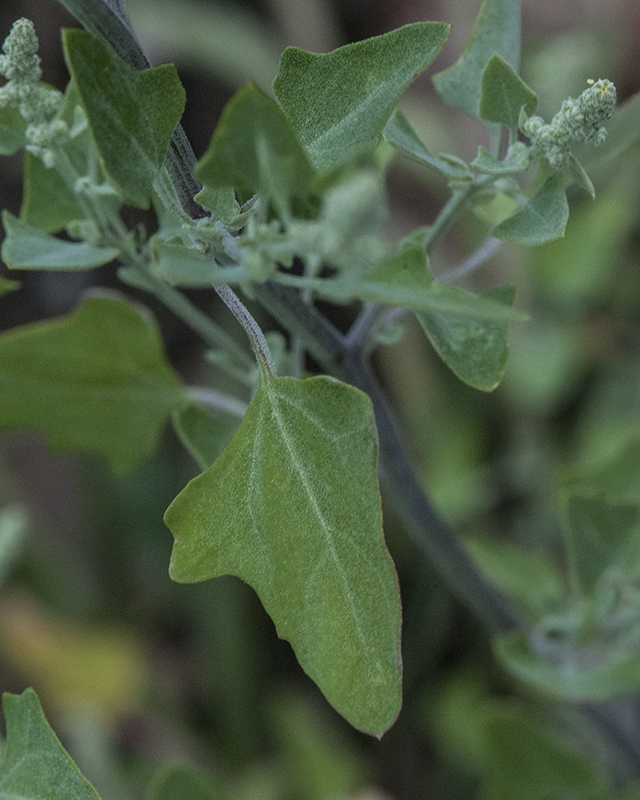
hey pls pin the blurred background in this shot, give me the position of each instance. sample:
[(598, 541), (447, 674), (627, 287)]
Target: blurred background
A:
[(134, 671)]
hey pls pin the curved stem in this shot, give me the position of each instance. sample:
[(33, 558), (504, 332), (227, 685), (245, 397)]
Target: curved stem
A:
[(252, 329)]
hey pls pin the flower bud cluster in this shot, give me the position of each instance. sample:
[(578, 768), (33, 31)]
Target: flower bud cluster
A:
[(20, 65), (577, 121)]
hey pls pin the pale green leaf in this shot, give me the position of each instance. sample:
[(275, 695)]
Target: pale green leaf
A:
[(475, 350), (254, 149), (94, 381), (339, 102), (578, 676), (12, 130), (47, 202), (504, 94), (25, 247), (399, 133), (203, 432), (516, 160), (132, 113), (496, 32), (541, 220), (34, 763), (577, 174), (292, 507), (184, 266)]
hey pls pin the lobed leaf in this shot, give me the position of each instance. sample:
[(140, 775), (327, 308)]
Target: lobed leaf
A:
[(25, 247), (292, 507), (541, 220), (34, 763), (339, 102), (504, 94), (399, 133), (132, 114), (94, 381), (254, 149), (475, 350), (496, 32)]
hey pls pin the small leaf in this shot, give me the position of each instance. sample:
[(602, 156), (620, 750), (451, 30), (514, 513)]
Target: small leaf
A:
[(405, 281), (25, 247), (598, 536), (504, 94), (516, 160), (475, 350), (541, 220), (496, 32), (185, 266), (581, 678), (339, 102), (94, 381), (399, 133), (578, 175), (254, 149), (7, 286), (132, 114), (12, 130), (184, 782), (47, 202), (292, 507), (34, 763)]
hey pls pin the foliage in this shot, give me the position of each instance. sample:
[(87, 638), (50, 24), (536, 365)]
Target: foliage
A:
[(287, 206)]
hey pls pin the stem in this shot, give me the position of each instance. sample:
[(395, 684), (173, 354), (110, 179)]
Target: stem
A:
[(475, 260), (252, 329), (217, 400), (449, 213)]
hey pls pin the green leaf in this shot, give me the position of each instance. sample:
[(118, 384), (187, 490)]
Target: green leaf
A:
[(504, 94), (132, 114), (475, 350), (541, 220), (579, 676), (94, 381), (577, 174), (47, 202), (34, 763), (254, 149), (599, 535), (404, 281), (7, 286), (516, 160), (184, 782), (399, 133), (339, 102), (12, 130), (185, 266), (496, 32), (617, 480), (292, 507), (29, 248)]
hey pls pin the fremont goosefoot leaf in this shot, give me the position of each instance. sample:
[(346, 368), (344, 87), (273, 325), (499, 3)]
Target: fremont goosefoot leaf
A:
[(95, 381), (292, 507), (132, 114), (339, 102), (34, 763)]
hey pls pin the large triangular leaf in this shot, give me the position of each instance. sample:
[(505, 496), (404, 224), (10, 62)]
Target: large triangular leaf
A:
[(292, 507), (339, 102), (504, 94), (132, 114), (94, 381), (34, 763), (497, 31)]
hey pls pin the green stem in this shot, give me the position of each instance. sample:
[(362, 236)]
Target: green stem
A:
[(449, 213), (254, 332)]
